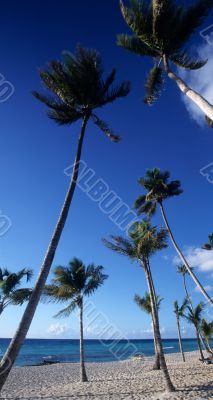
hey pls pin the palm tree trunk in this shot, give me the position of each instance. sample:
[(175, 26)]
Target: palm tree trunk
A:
[(28, 315), (82, 365), (199, 344), (199, 100), (191, 273), (163, 365), (180, 340), (156, 365)]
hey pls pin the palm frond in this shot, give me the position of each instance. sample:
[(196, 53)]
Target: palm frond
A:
[(20, 296), (183, 60), (65, 313), (209, 121), (153, 85), (104, 127), (135, 45)]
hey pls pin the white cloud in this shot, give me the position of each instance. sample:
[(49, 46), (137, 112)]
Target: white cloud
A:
[(201, 81), (57, 329), (198, 258), (208, 288)]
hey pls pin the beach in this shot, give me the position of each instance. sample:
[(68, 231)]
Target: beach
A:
[(130, 379)]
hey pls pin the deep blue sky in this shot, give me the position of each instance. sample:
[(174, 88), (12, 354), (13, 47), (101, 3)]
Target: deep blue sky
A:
[(34, 152)]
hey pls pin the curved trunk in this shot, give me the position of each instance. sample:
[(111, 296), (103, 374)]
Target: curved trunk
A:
[(199, 344), (15, 344), (169, 385), (82, 365), (156, 365), (191, 273), (180, 340), (199, 100)]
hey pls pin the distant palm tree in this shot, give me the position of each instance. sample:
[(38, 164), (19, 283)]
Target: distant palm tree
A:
[(78, 88), (145, 305), (161, 31), (71, 285), (9, 283), (194, 317), (144, 241), (159, 189), (209, 246), (181, 269), (179, 312), (207, 332)]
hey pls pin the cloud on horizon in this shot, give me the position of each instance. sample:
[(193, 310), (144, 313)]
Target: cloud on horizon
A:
[(57, 329), (201, 81)]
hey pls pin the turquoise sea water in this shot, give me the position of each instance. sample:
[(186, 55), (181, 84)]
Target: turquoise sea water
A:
[(34, 351)]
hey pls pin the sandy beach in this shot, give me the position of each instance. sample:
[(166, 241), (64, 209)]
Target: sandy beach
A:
[(131, 379)]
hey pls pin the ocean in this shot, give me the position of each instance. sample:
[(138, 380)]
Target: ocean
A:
[(35, 351)]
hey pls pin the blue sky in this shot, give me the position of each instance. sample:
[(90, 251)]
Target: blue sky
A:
[(34, 153)]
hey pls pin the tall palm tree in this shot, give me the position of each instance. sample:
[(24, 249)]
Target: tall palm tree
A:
[(144, 303), (194, 317), (161, 30), (10, 293), (158, 188), (209, 245), (207, 332), (78, 88), (179, 312), (144, 241), (71, 285)]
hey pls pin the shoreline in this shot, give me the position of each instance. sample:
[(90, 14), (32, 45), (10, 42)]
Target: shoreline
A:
[(128, 379)]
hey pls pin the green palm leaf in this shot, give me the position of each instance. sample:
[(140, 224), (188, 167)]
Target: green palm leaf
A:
[(153, 85)]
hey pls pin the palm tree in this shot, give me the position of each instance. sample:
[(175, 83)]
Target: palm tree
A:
[(159, 189), (194, 317), (179, 312), (78, 88), (9, 284), (144, 303), (161, 30), (71, 285), (207, 332), (209, 246), (144, 241)]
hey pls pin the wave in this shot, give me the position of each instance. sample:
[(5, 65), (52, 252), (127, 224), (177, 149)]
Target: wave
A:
[(170, 347)]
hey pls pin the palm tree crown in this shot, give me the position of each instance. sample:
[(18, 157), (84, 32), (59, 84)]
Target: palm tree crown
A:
[(72, 283), (145, 302), (9, 283), (161, 30), (209, 245), (194, 315), (179, 310), (78, 88), (144, 241), (158, 188)]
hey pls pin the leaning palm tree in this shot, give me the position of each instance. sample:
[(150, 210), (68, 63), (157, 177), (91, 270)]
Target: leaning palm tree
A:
[(194, 317), (207, 333), (144, 241), (144, 303), (179, 312), (158, 188), (10, 293), (161, 30), (78, 88), (209, 245), (71, 285)]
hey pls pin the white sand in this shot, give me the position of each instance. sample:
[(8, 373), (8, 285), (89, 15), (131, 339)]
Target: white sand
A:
[(130, 380)]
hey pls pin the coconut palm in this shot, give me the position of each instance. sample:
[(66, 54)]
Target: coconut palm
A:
[(194, 317), (144, 303), (207, 333), (179, 312), (10, 293), (209, 245), (71, 284), (78, 88), (158, 188), (144, 241), (161, 30)]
